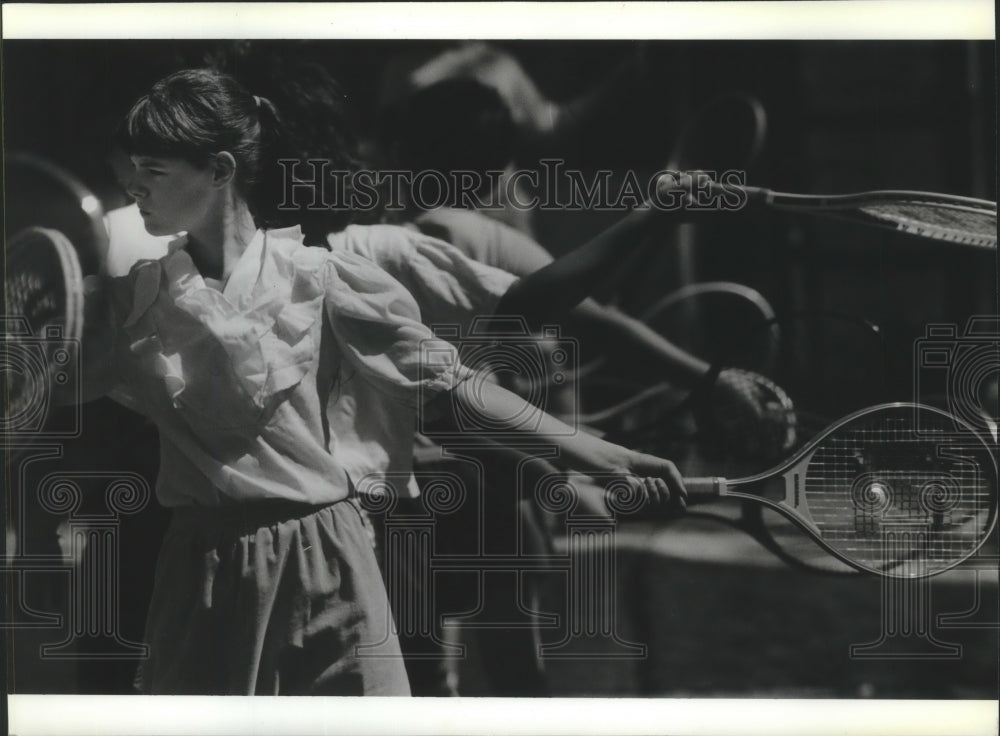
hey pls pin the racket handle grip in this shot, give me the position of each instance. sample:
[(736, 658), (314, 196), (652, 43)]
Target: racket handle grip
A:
[(704, 490)]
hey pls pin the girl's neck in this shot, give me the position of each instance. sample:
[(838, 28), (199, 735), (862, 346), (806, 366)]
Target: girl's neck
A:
[(217, 245)]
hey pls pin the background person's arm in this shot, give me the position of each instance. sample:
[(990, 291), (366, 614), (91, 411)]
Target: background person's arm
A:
[(550, 292)]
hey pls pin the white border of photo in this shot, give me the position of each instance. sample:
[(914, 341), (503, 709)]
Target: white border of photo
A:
[(835, 19)]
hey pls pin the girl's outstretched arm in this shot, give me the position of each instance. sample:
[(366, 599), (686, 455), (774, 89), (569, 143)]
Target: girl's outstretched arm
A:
[(507, 415)]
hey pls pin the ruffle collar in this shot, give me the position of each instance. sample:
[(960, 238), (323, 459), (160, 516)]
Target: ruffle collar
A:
[(263, 317)]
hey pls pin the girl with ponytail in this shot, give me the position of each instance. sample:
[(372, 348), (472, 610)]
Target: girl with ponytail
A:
[(279, 377)]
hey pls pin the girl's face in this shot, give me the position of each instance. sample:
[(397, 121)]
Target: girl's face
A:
[(173, 195)]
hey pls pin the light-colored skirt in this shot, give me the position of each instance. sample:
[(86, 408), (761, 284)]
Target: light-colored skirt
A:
[(270, 599)]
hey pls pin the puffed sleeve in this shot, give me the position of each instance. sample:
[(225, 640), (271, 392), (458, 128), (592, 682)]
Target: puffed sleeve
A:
[(377, 325), (448, 286), (485, 239)]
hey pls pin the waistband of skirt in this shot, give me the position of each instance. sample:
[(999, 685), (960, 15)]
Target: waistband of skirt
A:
[(247, 516)]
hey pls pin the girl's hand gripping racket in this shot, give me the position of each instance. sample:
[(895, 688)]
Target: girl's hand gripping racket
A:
[(901, 490)]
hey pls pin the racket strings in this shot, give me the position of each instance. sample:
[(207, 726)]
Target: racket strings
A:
[(28, 297), (30, 309), (888, 494), (935, 220), (38, 270)]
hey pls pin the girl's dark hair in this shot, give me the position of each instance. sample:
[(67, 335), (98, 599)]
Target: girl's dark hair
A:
[(319, 122), (197, 113)]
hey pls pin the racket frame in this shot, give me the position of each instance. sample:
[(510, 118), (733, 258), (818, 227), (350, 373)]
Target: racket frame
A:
[(850, 206), (793, 506), (72, 276), (18, 327), (89, 205)]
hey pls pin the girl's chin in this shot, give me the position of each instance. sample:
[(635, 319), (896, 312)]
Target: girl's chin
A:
[(153, 227)]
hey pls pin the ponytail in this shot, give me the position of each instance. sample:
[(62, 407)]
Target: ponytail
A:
[(267, 194), (197, 113), (318, 126)]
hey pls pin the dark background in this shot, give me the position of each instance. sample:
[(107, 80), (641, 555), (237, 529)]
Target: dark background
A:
[(841, 117)]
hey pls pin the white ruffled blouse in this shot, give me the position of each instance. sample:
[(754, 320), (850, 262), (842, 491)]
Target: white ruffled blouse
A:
[(308, 367), (450, 288)]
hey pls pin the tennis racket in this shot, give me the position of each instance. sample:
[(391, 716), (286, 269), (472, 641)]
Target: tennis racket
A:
[(901, 490), (953, 219), (962, 220), (57, 235), (43, 323), (38, 193), (726, 133), (945, 217)]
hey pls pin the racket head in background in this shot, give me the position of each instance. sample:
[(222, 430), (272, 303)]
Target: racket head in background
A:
[(38, 193), (54, 232), (727, 324), (726, 133), (931, 215), (902, 490), (968, 222), (719, 321), (42, 323)]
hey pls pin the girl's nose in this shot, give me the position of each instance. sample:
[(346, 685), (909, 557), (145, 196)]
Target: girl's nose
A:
[(133, 188)]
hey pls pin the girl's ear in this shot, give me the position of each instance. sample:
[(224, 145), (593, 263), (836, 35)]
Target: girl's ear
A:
[(223, 168)]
